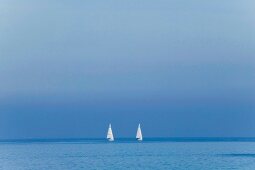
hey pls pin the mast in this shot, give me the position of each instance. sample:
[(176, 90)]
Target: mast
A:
[(110, 134), (139, 135)]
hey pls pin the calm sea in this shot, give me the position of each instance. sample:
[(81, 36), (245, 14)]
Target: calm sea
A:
[(154, 153)]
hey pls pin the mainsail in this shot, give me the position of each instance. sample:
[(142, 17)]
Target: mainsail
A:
[(139, 135), (110, 134)]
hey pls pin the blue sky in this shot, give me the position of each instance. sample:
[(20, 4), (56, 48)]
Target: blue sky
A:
[(180, 68)]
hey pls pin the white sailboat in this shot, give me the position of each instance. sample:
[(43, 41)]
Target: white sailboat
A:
[(110, 134), (139, 135)]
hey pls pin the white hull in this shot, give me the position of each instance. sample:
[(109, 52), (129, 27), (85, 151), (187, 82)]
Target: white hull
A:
[(139, 139), (110, 140)]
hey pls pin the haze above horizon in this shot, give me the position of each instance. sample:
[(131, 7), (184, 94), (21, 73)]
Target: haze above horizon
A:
[(180, 68)]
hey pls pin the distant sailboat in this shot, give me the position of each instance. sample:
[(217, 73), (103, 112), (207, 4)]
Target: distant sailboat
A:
[(110, 134), (139, 135)]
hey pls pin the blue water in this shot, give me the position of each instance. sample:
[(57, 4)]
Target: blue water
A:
[(179, 153)]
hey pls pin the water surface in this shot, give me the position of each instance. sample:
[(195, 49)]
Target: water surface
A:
[(179, 153)]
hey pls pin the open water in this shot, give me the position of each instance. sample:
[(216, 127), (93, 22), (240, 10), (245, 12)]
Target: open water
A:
[(77, 154)]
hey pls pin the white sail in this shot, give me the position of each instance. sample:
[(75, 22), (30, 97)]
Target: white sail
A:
[(139, 135), (110, 134)]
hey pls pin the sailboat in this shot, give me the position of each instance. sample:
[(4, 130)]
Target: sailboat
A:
[(110, 134), (139, 135)]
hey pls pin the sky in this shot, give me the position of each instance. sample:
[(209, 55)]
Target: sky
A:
[(180, 68)]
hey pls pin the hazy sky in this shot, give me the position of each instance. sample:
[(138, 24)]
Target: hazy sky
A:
[(178, 67)]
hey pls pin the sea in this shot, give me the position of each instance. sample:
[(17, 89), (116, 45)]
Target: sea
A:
[(152, 153)]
